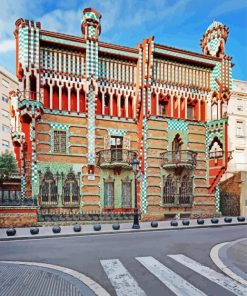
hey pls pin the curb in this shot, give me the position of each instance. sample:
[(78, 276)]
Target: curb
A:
[(90, 283), (215, 256), (51, 236)]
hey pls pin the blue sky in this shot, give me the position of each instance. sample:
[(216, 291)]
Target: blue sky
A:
[(177, 23)]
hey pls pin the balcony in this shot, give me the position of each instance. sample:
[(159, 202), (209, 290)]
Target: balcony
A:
[(112, 158), (181, 159)]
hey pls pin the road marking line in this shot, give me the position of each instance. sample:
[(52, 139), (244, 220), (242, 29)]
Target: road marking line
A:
[(121, 279), (95, 287), (173, 281), (214, 276), (214, 254)]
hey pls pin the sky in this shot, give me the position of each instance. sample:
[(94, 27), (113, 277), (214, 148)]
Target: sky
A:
[(177, 23)]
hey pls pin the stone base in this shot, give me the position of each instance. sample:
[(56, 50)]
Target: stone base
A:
[(18, 216)]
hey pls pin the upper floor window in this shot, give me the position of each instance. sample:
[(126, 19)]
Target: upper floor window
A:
[(162, 108), (5, 83), (5, 113), (60, 141), (240, 106), (5, 128), (5, 143), (4, 99), (116, 148), (190, 112), (214, 111), (240, 129)]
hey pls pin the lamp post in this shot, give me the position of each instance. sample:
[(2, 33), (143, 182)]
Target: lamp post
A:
[(135, 166)]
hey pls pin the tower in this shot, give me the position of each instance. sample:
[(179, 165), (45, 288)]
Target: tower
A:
[(214, 40)]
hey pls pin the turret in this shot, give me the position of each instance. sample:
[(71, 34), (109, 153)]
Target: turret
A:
[(90, 24), (214, 40)]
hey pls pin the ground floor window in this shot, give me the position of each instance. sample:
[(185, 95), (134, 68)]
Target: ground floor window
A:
[(126, 194), (177, 190), (108, 194)]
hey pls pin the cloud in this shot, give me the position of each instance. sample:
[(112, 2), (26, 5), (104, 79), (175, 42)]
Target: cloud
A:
[(7, 45), (227, 6)]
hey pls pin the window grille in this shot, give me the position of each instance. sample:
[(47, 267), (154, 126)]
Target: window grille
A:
[(71, 189), (48, 189), (108, 194), (60, 141), (126, 194)]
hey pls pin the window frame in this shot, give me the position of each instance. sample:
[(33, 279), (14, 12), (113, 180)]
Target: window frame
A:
[(57, 141), (109, 206), (129, 205)]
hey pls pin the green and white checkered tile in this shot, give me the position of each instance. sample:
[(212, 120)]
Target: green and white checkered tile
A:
[(177, 125)]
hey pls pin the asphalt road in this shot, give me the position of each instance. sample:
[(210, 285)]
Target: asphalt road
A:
[(89, 254)]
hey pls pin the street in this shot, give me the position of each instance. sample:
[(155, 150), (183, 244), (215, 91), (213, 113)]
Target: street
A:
[(139, 262)]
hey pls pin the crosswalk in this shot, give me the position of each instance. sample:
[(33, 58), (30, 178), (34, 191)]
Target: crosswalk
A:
[(125, 284)]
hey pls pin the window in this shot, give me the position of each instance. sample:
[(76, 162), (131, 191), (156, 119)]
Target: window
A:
[(5, 83), (71, 189), (126, 194), (5, 143), (177, 190), (116, 148), (216, 149), (240, 129), (162, 108), (5, 128), (4, 99), (5, 113), (190, 112), (240, 108), (109, 194), (48, 189), (214, 111), (176, 148), (60, 141)]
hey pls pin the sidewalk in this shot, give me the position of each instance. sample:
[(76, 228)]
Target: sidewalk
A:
[(231, 258), (44, 232)]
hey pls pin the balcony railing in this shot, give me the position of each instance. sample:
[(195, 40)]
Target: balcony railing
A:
[(111, 158), (178, 200), (182, 158)]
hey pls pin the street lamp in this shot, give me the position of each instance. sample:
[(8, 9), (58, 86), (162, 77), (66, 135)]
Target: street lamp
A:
[(135, 166)]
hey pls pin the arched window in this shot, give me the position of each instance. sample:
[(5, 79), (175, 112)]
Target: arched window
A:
[(162, 107), (107, 104), (65, 98), (48, 189), (71, 189), (130, 107), (73, 100), (214, 111), (216, 148), (153, 104), (99, 103), (82, 101), (190, 110), (122, 106), (46, 96), (33, 90), (176, 148), (114, 106), (55, 97)]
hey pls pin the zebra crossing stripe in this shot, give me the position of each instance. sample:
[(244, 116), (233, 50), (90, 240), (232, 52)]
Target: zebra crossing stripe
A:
[(122, 281), (214, 276), (173, 281)]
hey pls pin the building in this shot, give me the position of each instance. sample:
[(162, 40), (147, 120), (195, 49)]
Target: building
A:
[(8, 82), (86, 107), (237, 120)]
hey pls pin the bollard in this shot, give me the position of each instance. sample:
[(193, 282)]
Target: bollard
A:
[(214, 220), (200, 221), (228, 219), (241, 218), (154, 224), (174, 223), (116, 226), (77, 228), (186, 222), (97, 227), (34, 230), (56, 229), (11, 232)]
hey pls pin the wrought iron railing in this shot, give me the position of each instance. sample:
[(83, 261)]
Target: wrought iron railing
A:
[(178, 199), (116, 156), (15, 200), (186, 157), (216, 154)]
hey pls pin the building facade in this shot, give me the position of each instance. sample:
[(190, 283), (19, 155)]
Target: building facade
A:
[(8, 82), (86, 107)]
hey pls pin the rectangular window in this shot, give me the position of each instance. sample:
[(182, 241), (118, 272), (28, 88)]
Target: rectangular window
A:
[(5, 128), (60, 141), (5, 143), (5, 113), (116, 148), (4, 99), (190, 112), (240, 108), (5, 83), (109, 195), (126, 194), (240, 129)]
